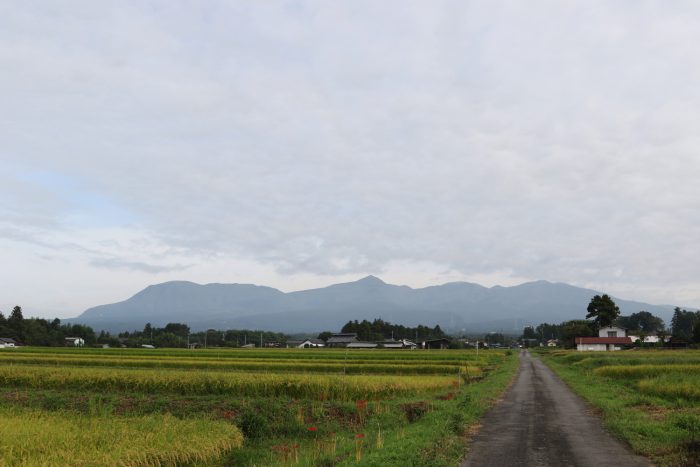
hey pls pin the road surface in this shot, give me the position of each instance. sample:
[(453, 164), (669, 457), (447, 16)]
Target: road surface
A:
[(540, 422)]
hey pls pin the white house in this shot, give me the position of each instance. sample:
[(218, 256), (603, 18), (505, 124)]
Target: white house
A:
[(74, 342), (612, 331), (7, 343), (609, 338)]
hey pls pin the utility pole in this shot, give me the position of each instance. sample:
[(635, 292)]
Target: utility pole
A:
[(261, 340)]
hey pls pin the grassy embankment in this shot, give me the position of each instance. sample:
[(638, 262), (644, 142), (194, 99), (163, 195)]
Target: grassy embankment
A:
[(651, 399), (293, 407)]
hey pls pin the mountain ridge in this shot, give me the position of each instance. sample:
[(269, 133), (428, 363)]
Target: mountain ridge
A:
[(455, 306)]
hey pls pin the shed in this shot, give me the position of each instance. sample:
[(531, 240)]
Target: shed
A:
[(441, 343)]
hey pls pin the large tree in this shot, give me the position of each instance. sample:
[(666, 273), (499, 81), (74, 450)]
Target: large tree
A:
[(642, 321), (603, 311)]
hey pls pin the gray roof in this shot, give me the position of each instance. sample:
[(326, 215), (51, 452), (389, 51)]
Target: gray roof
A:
[(362, 345), (344, 339)]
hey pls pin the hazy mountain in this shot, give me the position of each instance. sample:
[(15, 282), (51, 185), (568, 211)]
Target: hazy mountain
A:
[(454, 306)]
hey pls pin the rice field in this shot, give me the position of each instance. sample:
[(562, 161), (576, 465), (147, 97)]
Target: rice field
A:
[(137, 407), (650, 398), (33, 437)]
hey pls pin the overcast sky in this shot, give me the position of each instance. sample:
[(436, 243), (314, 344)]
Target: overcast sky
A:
[(298, 144)]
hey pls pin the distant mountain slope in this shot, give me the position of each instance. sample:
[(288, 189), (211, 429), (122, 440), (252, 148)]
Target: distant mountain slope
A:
[(454, 306)]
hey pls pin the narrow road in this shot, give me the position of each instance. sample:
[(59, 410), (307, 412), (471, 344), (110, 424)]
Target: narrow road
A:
[(540, 422)]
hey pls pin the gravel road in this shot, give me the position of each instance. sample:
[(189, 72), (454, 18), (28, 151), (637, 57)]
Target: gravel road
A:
[(540, 422)]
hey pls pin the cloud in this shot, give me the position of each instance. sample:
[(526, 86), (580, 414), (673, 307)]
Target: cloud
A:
[(116, 263), (488, 140)]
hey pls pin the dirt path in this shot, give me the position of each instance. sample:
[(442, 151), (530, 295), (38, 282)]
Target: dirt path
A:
[(540, 422)]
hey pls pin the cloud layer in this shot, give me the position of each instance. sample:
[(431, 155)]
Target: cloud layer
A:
[(299, 143)]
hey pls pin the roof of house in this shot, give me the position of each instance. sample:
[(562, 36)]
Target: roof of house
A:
[(8, 340), (604, 340)]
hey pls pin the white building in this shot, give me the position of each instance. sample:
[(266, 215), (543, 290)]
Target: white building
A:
[(74, 342), (609, 338)]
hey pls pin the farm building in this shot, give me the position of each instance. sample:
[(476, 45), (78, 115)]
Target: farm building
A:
[(341, 340), (401, 344), (609, 338), (442, 343), (362, 345), (7, 342), (74, 342), (305, 344)]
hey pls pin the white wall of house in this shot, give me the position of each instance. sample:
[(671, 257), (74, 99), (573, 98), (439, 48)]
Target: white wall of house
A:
[(596, 347), (612, 331)]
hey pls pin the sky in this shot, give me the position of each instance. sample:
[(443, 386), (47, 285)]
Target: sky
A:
[(298, 144)]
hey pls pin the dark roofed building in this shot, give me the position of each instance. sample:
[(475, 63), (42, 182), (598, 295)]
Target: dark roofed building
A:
[(341, 339)]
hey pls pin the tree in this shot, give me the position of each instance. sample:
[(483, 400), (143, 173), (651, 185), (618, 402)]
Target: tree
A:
[(325, 335), (603, 311), (570, 330), (643, 321), (682, 324)]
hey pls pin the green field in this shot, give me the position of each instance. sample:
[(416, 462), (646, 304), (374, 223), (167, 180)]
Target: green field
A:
[(138, 407), (649, 398)]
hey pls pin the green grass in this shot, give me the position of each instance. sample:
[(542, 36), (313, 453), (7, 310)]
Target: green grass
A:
[(653, 407)]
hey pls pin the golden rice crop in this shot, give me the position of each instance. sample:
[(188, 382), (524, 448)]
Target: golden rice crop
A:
[(644, 371), (340, 387), (30, 437), (299, 366), (672, 386)]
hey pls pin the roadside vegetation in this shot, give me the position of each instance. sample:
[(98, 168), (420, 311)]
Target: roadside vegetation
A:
[(649, 398), (244, 407)]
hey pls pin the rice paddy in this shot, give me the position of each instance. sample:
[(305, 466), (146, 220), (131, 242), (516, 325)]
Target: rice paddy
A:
[(137, 407)]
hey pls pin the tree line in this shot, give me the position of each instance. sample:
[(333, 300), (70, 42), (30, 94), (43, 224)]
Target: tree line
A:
[(41, 332), (379, 330)]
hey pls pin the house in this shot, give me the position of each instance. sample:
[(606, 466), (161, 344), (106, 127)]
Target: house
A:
[(341, 339), (148, 346), (441, 343), (584, 344), (612, 331), (305, 344), (552, 343), (609, 338), (74, 342), (7, 342)]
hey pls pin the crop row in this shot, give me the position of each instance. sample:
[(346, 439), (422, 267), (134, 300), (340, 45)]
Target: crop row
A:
[(31, 437), (242, 365), (282, 354), (311, 386)]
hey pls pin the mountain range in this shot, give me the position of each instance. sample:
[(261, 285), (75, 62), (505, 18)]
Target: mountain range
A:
[(456, 306)]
